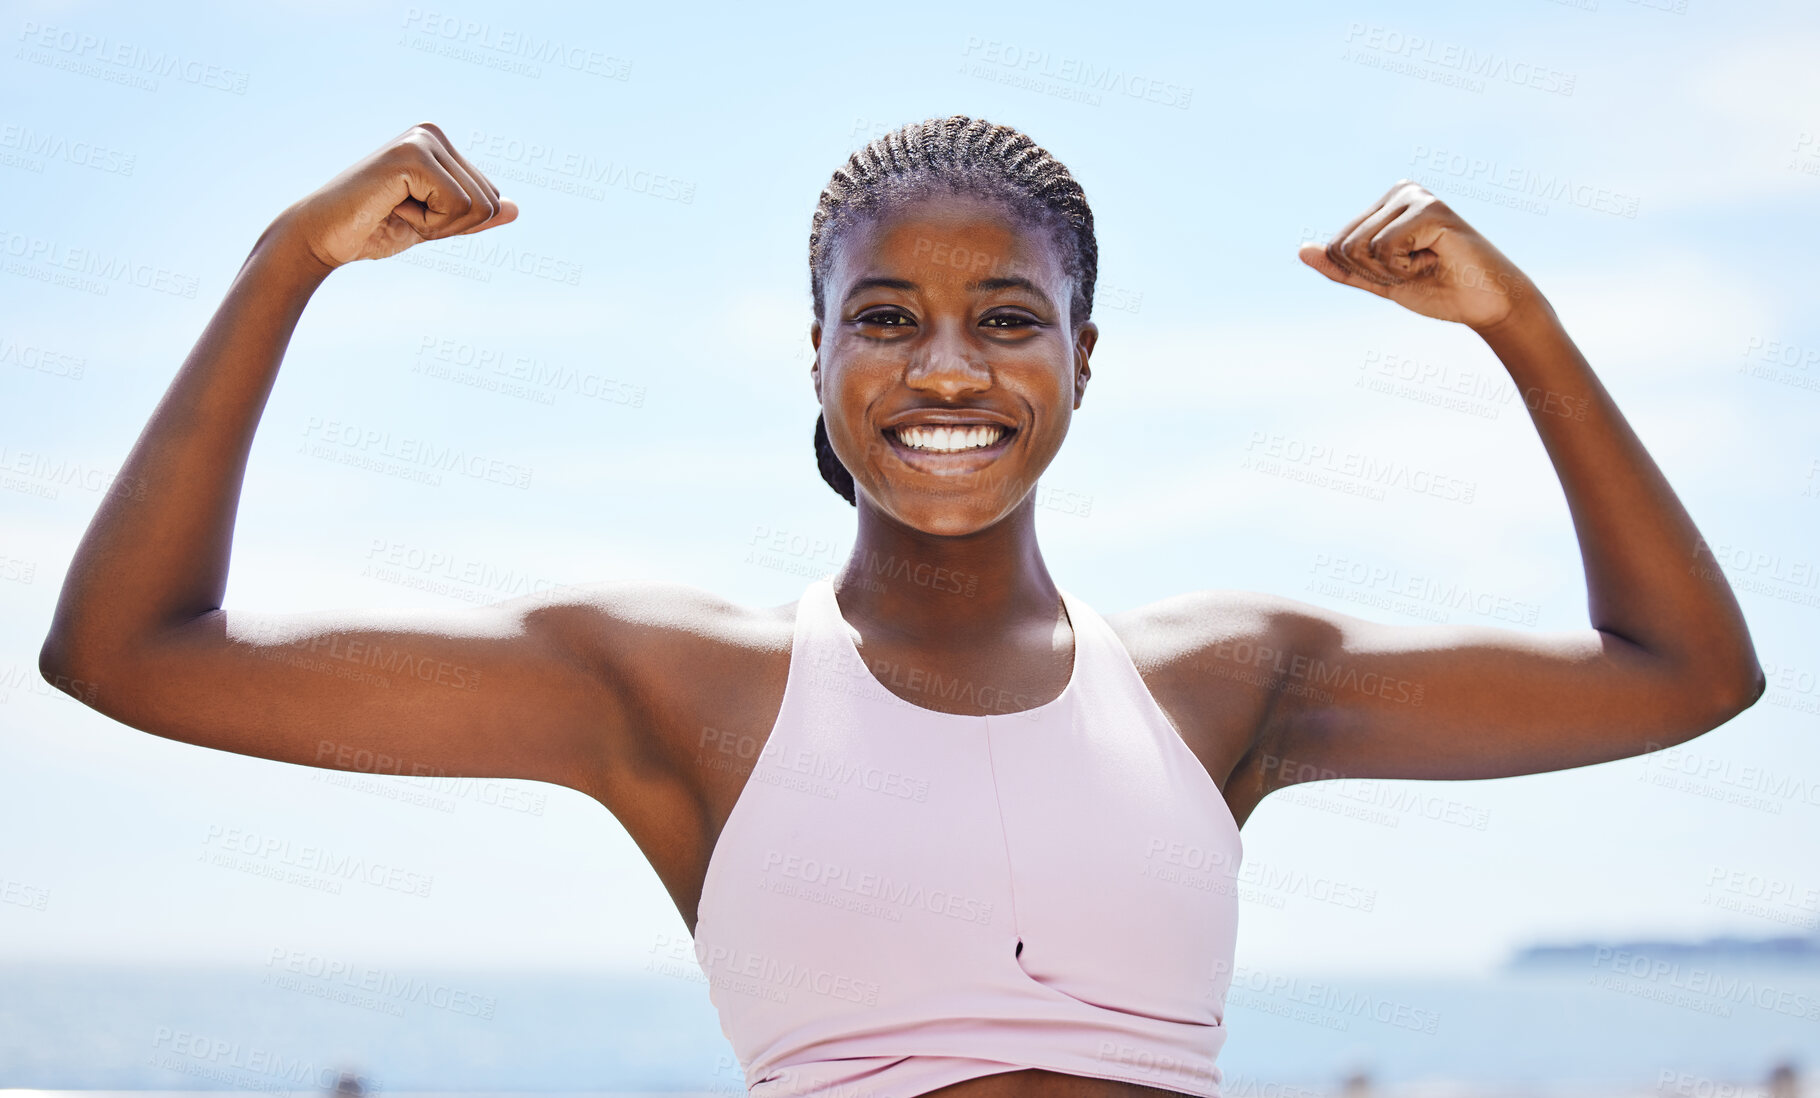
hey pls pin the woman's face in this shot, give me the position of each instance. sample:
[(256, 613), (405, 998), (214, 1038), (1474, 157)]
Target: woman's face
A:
[(947, 310)]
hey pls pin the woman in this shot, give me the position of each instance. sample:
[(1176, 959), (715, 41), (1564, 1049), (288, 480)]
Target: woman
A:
[(984, 838)]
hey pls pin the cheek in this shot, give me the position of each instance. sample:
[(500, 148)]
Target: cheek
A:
[(856, 382), (851, 389), (1053, 388), (867, 371)]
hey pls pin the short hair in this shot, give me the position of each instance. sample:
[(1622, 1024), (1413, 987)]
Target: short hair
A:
[(966, 156)]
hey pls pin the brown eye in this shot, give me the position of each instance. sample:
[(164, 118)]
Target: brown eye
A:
[(882, 316), (1019, 321)]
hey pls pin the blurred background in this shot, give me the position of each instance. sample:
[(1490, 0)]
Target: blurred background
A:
[(635, 349)]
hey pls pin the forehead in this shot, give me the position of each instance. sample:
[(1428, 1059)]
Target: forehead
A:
[(946, 238)]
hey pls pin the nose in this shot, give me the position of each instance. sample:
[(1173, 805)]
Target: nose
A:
[(944, 364)]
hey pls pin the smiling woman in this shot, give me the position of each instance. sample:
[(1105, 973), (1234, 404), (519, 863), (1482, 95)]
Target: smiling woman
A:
[(945, 395), (938, 826), (956, 157)]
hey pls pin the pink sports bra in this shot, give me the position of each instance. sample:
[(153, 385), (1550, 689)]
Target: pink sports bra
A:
[(904, 898)]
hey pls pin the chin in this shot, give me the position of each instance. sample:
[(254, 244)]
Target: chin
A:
[(962, 514)]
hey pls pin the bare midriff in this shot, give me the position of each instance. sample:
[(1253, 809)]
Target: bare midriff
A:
[(1035, 1083)]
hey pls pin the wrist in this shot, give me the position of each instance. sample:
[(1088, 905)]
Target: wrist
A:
[(1529, 313), (284, 246)]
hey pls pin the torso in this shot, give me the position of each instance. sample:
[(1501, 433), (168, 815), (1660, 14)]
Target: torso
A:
[(710, 701)]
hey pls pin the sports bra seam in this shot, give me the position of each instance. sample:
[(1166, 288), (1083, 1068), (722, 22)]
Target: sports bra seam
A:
[(1004, 835)]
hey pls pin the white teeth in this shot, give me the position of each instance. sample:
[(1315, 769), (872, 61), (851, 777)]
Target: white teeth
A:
[(949, 439)]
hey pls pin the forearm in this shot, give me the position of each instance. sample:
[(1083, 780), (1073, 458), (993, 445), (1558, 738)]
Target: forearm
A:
[(156, 551), (1648, 578)]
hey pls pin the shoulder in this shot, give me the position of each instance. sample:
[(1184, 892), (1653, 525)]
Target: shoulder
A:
[(671, 661), (654, 609), (644, 630), (1198, 630)]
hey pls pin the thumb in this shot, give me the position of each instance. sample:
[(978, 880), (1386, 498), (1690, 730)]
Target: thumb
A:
[(1315, 256)]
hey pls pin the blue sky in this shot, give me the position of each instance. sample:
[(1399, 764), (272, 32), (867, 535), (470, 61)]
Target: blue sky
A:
[(635, 350)]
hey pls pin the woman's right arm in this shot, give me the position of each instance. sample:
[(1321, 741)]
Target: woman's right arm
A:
[(512, 690)]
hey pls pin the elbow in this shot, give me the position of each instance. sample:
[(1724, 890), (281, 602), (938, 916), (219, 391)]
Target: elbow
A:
[(1748, 688), (53, 658), (1709, 708), (1731, 696), (58, 666), (60, 655)]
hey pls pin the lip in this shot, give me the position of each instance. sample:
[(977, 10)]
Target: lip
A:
[(956, 464), (950, 417)]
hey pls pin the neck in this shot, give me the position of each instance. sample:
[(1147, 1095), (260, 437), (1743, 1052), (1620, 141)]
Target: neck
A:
[(947, 588)]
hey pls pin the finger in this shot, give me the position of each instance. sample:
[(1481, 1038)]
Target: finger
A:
[(1358, 245), (433, 197), (482, 206), (504, 209), (1397, 243), (1315, 255), (508, 211), (1335, 253), (1371, 209), (449, 147)]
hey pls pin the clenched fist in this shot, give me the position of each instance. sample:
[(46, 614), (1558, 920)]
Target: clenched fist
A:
[(1412, 248), (414, 188)]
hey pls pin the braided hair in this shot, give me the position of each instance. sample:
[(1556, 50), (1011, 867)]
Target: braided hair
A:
[(965, 156)]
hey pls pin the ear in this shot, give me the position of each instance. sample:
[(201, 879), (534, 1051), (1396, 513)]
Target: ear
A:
[(1084, 341), (815, 366)]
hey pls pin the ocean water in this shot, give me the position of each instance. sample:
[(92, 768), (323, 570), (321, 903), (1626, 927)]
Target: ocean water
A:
[(1694, 1032)]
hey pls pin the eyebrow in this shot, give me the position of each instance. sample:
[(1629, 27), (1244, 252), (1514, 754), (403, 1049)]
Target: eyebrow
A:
[(975, 286)]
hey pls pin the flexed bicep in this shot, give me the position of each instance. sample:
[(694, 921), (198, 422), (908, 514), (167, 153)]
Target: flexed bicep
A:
[(1363, 699)]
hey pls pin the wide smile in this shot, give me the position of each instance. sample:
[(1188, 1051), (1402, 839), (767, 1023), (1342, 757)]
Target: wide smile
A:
[(949, 450)]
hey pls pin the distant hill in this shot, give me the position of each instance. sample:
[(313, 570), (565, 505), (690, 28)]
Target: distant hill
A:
[(1801, 951)]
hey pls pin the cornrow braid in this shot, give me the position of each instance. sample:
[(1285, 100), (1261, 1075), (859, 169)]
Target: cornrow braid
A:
[(965, 156)]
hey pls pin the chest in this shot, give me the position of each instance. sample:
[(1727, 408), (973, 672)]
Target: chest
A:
[(1074, 856)]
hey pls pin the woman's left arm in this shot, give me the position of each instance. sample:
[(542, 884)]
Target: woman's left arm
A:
[(1668, 656)]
